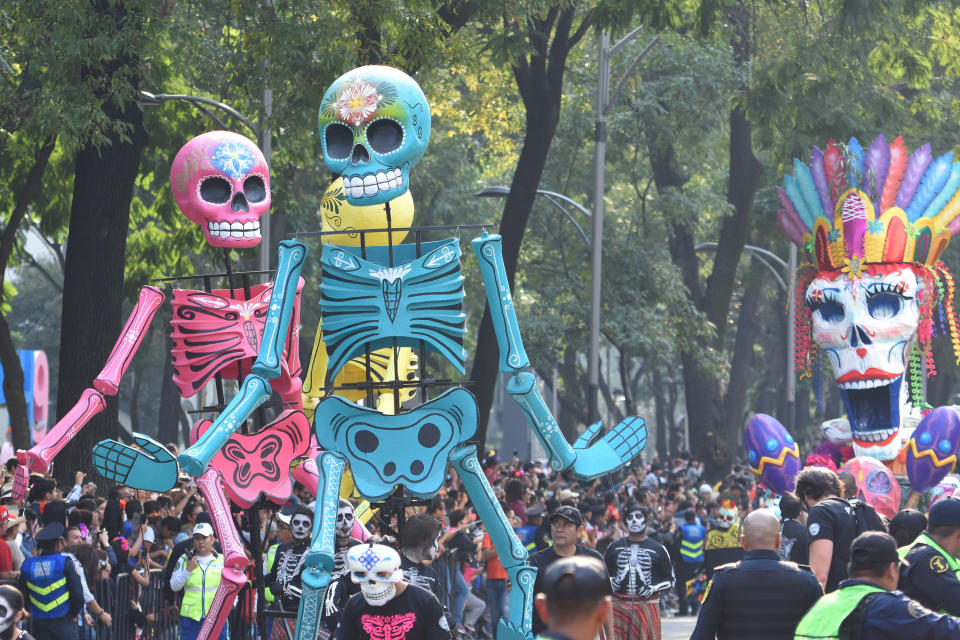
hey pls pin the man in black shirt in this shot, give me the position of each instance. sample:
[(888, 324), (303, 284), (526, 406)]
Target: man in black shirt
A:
[(575, 600), (639, 569), (830, 524), (795, 543), (388, 607), (566, 527), (419, 539)]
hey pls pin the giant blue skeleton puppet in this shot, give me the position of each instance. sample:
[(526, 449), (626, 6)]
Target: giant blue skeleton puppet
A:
[(375, 125)]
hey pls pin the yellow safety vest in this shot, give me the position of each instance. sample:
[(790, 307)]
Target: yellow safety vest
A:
[(271, 560), (825, 618), (200, 589)]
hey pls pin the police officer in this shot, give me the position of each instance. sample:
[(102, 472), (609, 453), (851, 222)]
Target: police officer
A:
[(761, 596), (690, 540), (198, 574), (933, 576), (866, 605), (52, 585), (574, 599)]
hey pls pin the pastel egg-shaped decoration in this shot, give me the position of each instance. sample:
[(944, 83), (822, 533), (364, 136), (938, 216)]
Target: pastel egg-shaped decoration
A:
[(876, 484), (772, 451), (932, 450)]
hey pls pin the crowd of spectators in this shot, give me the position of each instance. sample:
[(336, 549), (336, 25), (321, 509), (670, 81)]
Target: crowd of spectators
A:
[(116, 530)]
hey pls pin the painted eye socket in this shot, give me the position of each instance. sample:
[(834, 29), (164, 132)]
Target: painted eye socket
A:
[(884, 306), (752, 455), (339, 140), (925, 438), (215, 190), (772, 444), (788, 438), (254, 189), (945, 446), (830, 311), (359, 575), (383, 575), (384, 136)]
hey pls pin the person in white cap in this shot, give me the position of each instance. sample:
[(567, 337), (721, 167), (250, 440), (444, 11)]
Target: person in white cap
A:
[(198, 575)]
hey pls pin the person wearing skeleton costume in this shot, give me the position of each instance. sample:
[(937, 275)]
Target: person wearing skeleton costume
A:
[(639, 569), (11, 613), (388, 607), (420, 539), (284, 580), (341, 586)]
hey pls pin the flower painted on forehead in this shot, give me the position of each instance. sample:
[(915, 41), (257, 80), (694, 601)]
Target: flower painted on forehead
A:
[(369, 558), (233, 159), (854, 267), (358, 102)]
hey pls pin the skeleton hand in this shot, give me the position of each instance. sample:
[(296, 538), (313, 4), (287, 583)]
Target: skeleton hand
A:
[(507, 631), (330, 605), (615, 449), (150, 467)]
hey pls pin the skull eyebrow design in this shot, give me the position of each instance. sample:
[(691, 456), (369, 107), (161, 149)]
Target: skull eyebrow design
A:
[(877, 288)]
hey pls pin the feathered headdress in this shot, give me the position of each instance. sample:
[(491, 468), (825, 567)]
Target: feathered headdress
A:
[(849, 209)]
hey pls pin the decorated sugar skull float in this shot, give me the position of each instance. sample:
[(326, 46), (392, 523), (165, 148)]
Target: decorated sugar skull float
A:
[(873, 224)]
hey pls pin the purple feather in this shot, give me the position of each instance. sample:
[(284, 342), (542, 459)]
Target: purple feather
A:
[(792, 212), (954, 226), (916, 166), (876, 167), (791, 226), (820, 179)]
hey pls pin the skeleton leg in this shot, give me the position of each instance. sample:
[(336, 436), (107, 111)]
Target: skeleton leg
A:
[(319, 561), (513, 357), (523, 388), (256, 389), (512, 554), (91, 403)]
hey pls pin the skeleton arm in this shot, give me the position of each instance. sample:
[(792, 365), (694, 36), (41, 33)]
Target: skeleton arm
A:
[(91, 401), (512, 554), (615, 448), (256, 388), (320, 560)]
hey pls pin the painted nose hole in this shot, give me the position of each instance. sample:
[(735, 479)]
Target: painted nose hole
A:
[(858, 336), (360, 155), (239, 203)]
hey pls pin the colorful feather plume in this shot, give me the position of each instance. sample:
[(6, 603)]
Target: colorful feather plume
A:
[(934, 179), (791, 226), (876, 165), (820, 180), (939, 204), (917, 164), (833, 169), (807, 188), (898, 164), (796, 197), (791, 212), (854, 161)]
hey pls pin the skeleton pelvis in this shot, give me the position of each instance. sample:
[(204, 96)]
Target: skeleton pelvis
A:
[(386, 450)]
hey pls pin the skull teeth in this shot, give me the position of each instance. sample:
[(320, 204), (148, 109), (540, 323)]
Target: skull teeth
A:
[(874, 436), (373, 183), (236, 230), (865, 384)]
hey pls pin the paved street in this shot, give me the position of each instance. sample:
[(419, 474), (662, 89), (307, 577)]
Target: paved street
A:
[(678, 628)]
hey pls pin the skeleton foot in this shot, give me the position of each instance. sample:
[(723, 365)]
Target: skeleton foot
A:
[(507, 631), (615, 449), (314, 582), (150, 467)]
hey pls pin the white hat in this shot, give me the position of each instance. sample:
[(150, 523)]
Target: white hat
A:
[(706, 488), (567, 494), (203, 529)]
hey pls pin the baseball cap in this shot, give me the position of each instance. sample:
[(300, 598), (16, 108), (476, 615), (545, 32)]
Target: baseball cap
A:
[(536, 510), (203, 529), (568, 513), (873, 549), (284, 518), (909, 520), (944, 512), (567, 494), (576, 578), (52, 531)]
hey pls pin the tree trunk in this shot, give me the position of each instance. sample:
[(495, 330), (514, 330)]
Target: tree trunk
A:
[(93, 276), (168, 427), (540, 83), (659, 409)]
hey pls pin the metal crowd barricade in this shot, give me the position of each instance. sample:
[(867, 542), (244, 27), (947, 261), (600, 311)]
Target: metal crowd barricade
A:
[(120, 594)]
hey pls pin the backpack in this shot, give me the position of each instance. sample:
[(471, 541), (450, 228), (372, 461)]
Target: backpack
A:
[(865, 517)]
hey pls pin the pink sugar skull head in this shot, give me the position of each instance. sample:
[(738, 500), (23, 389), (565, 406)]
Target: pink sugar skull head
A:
[(220, 181)]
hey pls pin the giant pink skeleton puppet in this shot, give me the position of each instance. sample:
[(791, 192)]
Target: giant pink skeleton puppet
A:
[(220, 180), (874, 223)]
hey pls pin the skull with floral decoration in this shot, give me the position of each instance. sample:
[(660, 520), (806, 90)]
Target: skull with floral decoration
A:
[(874, 224)]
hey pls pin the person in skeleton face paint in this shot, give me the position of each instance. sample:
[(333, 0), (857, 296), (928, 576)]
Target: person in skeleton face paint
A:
[(11, 612), (419, 539), (341, 586), (284, 579), (639, 569)]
